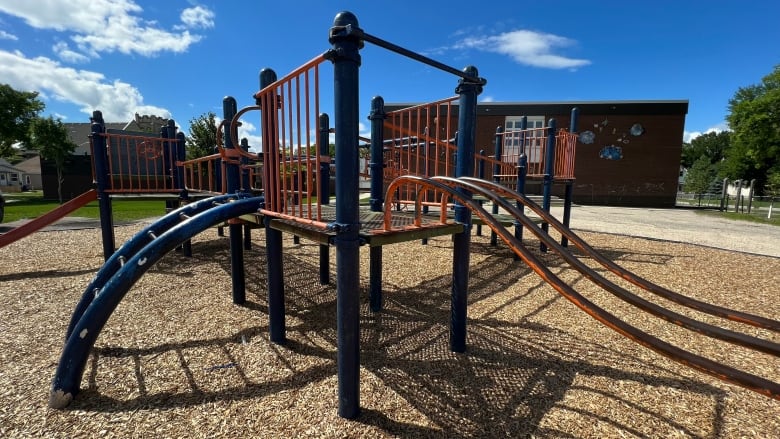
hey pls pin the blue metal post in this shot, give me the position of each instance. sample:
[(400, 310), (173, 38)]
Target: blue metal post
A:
[(244, 172), (324, 191), (181, 155), (273, 237), (100, 157), (169, 152), (346, 63), (247, 188), (229, 109), (464, 166), (170, 149), (218, 173), (377, 166), (168, 132), (184, 196), (218, 184), (497, 145), (567, 196), (522, 172), (549, 170), (480, 175)]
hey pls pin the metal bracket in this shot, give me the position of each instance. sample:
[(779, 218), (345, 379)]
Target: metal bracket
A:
[(342, 227)]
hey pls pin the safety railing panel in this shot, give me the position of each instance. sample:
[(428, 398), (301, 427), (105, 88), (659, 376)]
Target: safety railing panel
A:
[(533, 142), (290, 110), (205, 174), (421, 140), (138, 163)]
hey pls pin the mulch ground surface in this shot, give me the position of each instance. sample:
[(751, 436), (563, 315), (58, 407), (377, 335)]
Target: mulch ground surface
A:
[(179, 359)]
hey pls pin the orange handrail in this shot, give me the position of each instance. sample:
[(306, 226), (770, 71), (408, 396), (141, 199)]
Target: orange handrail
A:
[(47, 218), (702, 364)]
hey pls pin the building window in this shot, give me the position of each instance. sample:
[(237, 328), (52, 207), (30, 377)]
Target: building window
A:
[(14, 177), (534, 138)]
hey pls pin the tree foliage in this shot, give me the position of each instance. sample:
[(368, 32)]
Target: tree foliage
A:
[(699, 176), (772, 186), (17, 110), (50, 138), (202, 139), (712, 146), (755, 121)]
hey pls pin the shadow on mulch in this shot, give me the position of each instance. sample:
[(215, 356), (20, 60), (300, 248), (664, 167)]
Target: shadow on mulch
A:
[(46, 274), (511, 375)]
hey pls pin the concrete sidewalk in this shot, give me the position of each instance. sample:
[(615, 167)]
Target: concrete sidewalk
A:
[(679, 225)]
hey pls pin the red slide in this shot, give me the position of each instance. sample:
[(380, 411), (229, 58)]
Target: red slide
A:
[(47, 218)]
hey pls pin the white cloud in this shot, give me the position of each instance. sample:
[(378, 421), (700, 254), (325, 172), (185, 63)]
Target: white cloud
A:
[(526, 47), (249, 132), (106, 25), (118, 100), (63, 51), (6, 36), (197, 17), (690, 135), (487, 99)]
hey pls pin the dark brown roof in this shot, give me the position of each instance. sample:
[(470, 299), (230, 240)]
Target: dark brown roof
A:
[(78, 133), (585, 107)]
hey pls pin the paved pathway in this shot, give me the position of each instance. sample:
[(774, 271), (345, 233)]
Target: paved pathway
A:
[(680, 225)]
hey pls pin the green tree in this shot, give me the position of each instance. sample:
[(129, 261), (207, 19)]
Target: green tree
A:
[(772, 187), (50, 138), (202, 138), (711, 145), (755, 120), (699, 177), (17, 110)]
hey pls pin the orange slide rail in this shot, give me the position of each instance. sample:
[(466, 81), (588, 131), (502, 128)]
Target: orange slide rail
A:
[(47, 218), (718, 370)]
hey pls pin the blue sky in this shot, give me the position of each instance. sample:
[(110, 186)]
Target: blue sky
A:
[(179, 58)]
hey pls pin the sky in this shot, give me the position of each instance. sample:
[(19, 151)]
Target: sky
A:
[(179, 58)]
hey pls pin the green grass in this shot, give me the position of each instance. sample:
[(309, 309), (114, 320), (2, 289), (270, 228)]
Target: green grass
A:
[(29, 205), (753, 218)]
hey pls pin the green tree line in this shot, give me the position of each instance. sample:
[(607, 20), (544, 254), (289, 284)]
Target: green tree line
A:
[(750, 150)]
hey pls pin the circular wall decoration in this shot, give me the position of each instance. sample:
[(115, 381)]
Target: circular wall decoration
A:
[(587, 137), (637, 129)]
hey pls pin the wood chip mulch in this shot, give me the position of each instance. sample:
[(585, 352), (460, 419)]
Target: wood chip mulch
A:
[(178, 359)]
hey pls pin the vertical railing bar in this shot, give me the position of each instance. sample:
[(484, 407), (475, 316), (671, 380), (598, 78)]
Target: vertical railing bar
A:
[(297, 189), (288, 157), (299, 143), (307, 120), (319, 147)]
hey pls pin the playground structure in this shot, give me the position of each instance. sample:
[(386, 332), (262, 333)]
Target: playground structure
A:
[(294, 171)]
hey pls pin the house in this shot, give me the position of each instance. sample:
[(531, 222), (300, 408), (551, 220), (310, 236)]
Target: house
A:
[(11, 177), (627, 153), (32, 172), (77, 175)]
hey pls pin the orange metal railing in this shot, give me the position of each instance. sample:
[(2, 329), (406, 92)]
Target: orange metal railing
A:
[(533, 142), (139, 164), (703, 364), (420, 140), (205, 174), (289, 111)]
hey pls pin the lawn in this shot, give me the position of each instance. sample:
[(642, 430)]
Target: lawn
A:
[(27, 205)]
